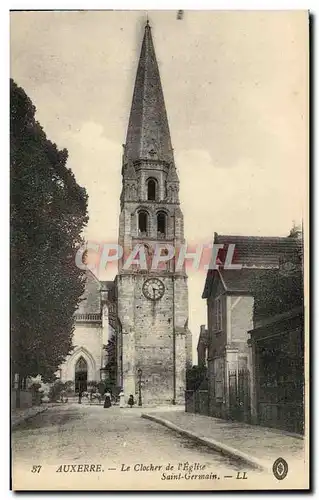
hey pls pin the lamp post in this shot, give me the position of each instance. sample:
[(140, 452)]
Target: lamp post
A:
[(139, 372)]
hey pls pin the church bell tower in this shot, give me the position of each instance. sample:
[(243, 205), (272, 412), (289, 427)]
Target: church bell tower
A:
[(154, 343)]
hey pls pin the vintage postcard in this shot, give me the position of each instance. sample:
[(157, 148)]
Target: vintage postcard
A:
[(159, 250)]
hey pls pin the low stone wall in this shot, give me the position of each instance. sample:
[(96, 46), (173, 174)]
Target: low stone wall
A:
[(285, 416)]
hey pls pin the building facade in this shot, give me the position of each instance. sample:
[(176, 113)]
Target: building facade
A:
[(229, 294), (95, 325)]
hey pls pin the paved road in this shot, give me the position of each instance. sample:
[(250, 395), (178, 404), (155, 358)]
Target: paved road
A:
[(83, 434)]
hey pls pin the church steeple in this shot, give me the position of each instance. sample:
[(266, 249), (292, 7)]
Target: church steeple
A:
[(154, 337), (148, 136)]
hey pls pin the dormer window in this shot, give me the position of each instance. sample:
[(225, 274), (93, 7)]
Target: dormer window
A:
[(151, 189)]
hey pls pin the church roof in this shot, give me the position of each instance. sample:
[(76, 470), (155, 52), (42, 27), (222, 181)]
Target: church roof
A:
[(129, 171), (148, 135)]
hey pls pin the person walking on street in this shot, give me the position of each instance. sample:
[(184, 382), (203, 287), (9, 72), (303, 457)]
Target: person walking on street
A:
[(122, 399), (107, 400), (80, 397), (131, 400)]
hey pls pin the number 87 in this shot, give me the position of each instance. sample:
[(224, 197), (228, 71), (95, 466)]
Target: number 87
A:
[(36, 468)]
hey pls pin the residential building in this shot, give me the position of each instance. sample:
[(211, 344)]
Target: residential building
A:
[(229, 294)]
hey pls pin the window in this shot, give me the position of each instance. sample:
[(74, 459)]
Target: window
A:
[(161, 224), (142, 222), (218, 314), (81, 375), (151, 189), (81, 365)]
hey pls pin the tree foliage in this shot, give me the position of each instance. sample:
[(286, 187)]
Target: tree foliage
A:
[(280, 290), (48, 213), (58, 388), (196, 378)]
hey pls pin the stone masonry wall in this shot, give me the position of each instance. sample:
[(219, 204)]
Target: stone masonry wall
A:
[(154, 342), (126, 305), (148, 338), (181, 320)]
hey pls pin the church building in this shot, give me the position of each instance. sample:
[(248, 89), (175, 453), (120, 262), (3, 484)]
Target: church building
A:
[(144, 309)]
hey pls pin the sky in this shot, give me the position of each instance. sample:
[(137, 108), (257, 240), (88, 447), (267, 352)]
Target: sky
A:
[(235, 87)]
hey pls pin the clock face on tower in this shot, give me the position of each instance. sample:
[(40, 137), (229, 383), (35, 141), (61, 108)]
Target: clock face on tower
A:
[(153, 289)]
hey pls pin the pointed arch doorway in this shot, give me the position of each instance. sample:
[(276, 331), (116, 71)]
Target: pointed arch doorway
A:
[(81, 375)]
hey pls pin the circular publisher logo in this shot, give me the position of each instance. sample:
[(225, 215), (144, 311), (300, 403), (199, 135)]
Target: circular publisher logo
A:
[(280, 468)]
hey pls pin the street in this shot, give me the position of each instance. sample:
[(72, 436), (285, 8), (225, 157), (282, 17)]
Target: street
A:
[(117, 438)]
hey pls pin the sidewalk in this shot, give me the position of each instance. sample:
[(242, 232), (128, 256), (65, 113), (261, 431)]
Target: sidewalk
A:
[(258, 446), (19, 415)]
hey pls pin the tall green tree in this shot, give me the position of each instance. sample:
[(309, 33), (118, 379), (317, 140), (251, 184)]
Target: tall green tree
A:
[(48, 214)]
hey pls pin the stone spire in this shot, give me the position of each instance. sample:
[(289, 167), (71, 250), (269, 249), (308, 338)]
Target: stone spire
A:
[(148, 136)]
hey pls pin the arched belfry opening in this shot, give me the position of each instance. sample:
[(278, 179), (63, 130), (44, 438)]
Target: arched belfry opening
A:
[(151, 189), (142, 222), (81, 375), (161, 224)]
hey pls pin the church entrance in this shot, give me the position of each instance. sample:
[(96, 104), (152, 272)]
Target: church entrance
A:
[(81, 375)]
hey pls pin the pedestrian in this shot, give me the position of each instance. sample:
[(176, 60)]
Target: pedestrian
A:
[(107, 400), (63, 397), (131, 400), (122, 399), (80, 397)]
